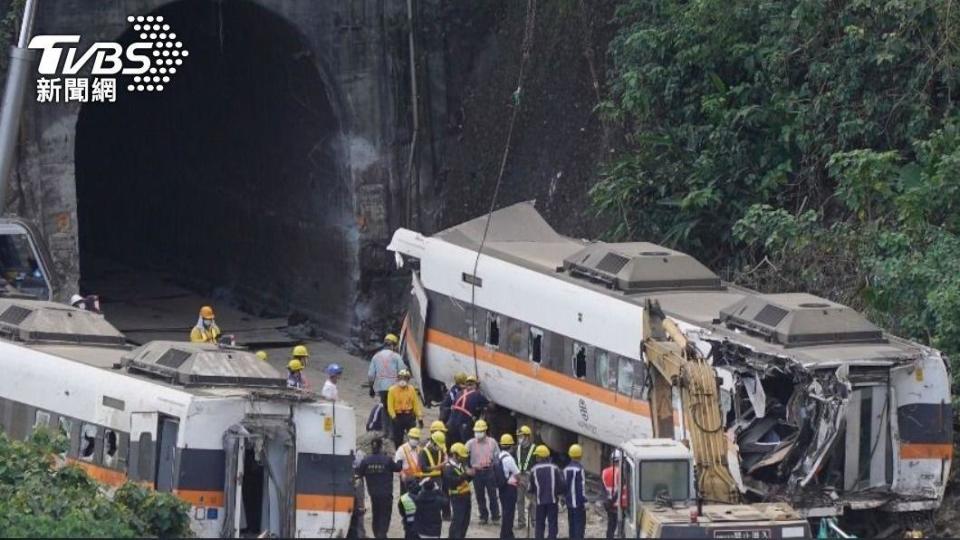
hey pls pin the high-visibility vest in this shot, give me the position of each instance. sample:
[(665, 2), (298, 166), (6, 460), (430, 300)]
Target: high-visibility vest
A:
[(464, 487), (461, 403), (409, 506), (523, 462), (413, 464), (441, 457)]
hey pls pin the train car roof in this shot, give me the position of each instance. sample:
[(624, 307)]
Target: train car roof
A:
[(111, 358), (519, 235)]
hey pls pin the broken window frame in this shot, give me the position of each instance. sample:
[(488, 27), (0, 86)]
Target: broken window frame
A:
[(493, 330), (38, 423), (535, 341), (602, 361), (578, 356), (86, 429), (108, 459), (625, 382)]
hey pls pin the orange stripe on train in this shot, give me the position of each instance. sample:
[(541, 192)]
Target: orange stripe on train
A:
[(926, 451), (324, 503)]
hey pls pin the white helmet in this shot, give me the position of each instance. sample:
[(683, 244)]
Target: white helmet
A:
[(616, 455), (75, 299)]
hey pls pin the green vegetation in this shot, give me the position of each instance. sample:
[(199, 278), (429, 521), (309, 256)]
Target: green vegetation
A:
[(41, 500), (800, 145)]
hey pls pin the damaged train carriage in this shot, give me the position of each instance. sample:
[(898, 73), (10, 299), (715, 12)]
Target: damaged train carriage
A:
[(826, 410), (214, 426)]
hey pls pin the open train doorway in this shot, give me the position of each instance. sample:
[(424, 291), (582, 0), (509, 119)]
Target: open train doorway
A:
[(228, 182)]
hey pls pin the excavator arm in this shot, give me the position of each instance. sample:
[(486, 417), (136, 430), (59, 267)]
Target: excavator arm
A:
[(674, 362)]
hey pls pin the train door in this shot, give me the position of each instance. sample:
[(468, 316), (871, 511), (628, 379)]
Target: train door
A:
[(260, 479), (153, 449)]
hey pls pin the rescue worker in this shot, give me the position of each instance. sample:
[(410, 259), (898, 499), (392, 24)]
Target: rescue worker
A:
[(403, 406), (432, 457), (206, 329), (329, 390), (300, 353), (466, 410), (377, 471), (376, 421), (407, 507), (356, 529), (295, 377), (611, 480), (384, 367), (575, 494), (524, 457), (452, 394), (508, 491), (456, 483), (429, 508), (483, 453), (546, 484), (408, 459)]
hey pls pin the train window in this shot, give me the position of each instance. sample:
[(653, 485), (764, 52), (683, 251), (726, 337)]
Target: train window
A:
[(640, 390), (88, 441), (625, 376), (41, 420), (515, 332), (493, 330), (66, 426), (579, 360), (606, 370), (110, 446), (536, 345)]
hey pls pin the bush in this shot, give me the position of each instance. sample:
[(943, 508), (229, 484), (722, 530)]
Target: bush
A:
[(39, 498)]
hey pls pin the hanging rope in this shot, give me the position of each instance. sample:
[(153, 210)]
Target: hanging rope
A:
[(516, 97)]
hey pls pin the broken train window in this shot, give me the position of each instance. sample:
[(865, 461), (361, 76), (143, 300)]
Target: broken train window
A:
[(88, 441), (41, 420), (111, 443), (606, 370), (536, 345), (625, 376), (493, 330), (579, 360)]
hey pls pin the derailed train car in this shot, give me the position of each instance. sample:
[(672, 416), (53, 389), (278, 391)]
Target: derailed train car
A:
[(825, 409), (216, 427)]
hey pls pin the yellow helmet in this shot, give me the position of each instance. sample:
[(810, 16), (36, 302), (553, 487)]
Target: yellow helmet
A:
[(459, 449), (439, 439), (403, 374), (471, 379), (295, 365), (575, 452), (438, 425), (506, 439), (541, 451), (525, 430), (481, 425), (262, 355), (414, 433), (460, 378), (300, 351), (391, 339)]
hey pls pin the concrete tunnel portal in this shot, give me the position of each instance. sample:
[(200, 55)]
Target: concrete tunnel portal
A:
[(231, 179)]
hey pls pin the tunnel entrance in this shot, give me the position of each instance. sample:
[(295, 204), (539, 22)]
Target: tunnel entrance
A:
[(229, 180)]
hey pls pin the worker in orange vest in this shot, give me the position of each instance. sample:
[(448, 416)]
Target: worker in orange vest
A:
[(611, 484), (408, 458)]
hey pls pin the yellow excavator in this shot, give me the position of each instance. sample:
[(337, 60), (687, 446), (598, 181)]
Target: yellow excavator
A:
[(673, 489)]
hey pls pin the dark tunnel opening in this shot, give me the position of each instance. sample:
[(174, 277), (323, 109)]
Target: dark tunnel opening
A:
[(229, 179)]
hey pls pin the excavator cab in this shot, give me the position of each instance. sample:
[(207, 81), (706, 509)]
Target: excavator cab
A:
[(657, 483), (24, 264)]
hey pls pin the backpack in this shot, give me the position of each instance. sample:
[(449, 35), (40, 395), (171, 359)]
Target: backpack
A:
[(499, 478)]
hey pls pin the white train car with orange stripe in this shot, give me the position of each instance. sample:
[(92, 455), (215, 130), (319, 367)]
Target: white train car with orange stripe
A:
[(217, 427), (817, 399)]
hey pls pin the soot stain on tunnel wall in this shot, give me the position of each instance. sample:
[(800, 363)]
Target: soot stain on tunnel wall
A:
[(230, 178)]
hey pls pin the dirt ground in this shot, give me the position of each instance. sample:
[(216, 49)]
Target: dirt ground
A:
[(351, 391)]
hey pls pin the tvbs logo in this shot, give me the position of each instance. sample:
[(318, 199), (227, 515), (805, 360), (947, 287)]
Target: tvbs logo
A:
[(151, 62)]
